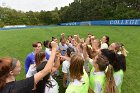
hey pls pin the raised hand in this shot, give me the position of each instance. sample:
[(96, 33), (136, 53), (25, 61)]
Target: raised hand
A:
[(54, 45)]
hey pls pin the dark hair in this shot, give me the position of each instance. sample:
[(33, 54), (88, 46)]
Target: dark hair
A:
[(39, 57), (6, 65), (103, 65), (45, 82), (111, 56), (107, 40), (69, 51), (117, 61), (102, 62), (121, 61), (53, 38), (76, 67), (70, 36), (36, 43), (46, 43)]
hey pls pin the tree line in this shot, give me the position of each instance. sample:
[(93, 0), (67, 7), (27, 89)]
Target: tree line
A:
[(79, 10)]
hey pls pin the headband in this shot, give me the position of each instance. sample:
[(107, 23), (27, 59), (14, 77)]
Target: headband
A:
[(14, 62)]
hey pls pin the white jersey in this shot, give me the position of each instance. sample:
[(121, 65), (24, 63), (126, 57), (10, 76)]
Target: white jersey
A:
[(65, 69)]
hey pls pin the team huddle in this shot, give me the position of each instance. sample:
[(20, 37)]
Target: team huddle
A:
[(88, 65)]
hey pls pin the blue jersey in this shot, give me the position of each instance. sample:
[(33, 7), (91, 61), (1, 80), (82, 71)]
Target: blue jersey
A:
[(30, 59)]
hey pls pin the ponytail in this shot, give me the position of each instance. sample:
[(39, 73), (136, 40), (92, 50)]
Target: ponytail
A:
[(110, 86), (124, 51)]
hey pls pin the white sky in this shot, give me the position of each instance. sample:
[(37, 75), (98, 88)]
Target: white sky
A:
[(34, 5)]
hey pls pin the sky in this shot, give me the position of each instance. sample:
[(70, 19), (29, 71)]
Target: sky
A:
[(34, 5)]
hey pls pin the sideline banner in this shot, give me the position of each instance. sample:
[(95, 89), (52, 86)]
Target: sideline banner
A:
[(125, 22)]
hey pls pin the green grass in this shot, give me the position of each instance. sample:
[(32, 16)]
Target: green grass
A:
[(17, 43)]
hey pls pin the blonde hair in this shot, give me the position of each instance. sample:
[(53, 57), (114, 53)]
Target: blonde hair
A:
[(110, 86), (76, 67), (123, 50)]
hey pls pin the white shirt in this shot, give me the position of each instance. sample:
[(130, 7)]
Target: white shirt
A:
[(98, 87), (31, 71), (118, 78), (63, 48), (65, 69), (77, 82), (47, 50), (104, 46), (55, 87)]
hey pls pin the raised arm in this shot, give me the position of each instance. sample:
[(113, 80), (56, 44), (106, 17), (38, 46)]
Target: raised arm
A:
[(86, 57), (57, 62), (47, 69)]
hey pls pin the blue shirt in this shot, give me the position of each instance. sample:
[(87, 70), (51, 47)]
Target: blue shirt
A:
[(63, 49), (47, 56), (30, 59)]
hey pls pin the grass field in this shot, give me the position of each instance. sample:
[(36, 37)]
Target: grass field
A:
[(17, 43)]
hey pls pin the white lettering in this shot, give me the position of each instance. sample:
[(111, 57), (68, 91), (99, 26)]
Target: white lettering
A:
[(132, 21), (136, 22), (115, 22), (122, 22), (111, 22), (126, 21)]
